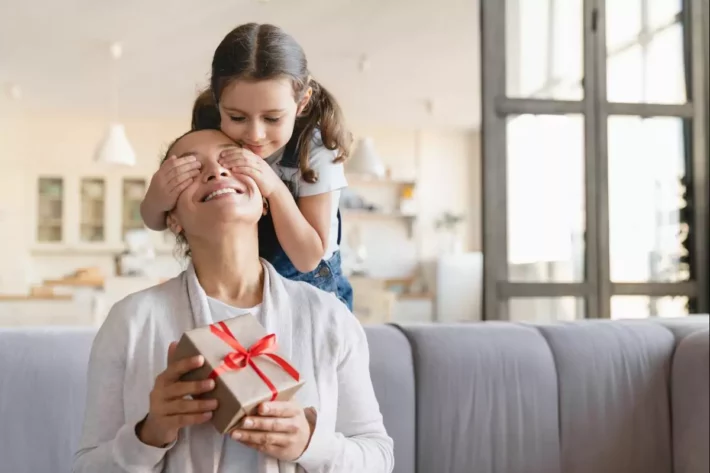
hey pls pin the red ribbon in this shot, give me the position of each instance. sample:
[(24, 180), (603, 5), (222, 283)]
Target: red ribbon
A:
[(241, 357)]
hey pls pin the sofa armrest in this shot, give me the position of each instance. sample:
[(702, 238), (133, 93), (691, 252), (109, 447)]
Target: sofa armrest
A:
[(690, 388)]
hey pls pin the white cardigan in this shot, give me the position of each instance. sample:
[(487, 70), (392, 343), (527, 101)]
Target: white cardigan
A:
[(314, 329)]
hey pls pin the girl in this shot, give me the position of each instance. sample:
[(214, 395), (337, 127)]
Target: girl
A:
[(293, 143)]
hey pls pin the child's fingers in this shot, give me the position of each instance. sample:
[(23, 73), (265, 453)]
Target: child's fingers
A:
[(252, 171), (179, 165), (238, 157), (181, 178), (182, 186), (232, 162), (231, 152)]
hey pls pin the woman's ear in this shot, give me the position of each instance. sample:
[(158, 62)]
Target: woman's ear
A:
[(305, 101), (265, 210), (173, 224)]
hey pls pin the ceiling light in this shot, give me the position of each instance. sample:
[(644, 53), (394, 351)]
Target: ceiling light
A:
[(365, 160), (115, 148)]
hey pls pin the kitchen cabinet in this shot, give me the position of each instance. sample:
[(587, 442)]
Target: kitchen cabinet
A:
[(86, 213)]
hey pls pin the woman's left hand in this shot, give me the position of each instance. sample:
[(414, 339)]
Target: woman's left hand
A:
[(281, 430), (243, 161)]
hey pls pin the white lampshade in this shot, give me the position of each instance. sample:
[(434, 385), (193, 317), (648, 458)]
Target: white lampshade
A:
[(115, 148), (365, 160)]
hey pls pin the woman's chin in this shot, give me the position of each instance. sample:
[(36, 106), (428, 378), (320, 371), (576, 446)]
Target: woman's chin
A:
[(235, 214)]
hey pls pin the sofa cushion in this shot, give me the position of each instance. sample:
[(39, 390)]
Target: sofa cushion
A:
[(392, 375), (683, 326), (614, 405), (691, 396), (486, 399), (42, 397)]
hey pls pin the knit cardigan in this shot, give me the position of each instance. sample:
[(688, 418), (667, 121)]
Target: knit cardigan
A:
[(323, 340)]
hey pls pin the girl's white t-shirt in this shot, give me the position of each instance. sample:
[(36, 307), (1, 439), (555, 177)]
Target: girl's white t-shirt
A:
[(331, 178)]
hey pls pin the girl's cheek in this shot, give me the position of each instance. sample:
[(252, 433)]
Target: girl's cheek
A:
[(231, 131)]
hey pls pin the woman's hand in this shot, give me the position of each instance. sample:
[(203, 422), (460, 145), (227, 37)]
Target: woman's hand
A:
[(281, 430), (170, 410), (243, 161)]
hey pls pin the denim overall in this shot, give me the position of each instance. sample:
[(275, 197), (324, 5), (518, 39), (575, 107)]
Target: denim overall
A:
[(328, 275)]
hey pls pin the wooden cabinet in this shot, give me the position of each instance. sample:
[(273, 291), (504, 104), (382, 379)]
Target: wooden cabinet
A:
[(50, 209), (93, 205), (86, 213), (132, 196)]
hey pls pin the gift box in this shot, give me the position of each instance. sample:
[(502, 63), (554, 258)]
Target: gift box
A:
[(246, 365)]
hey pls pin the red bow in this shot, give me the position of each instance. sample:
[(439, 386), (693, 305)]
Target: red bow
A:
[(241, 357)]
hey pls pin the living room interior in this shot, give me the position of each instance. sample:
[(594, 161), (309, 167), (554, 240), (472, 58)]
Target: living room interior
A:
[(531, 164)]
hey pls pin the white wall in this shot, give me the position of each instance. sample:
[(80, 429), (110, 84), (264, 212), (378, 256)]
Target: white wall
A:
[(446, 166), (446, 163)]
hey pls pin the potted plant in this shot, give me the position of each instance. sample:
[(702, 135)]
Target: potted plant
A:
[(448, 226)]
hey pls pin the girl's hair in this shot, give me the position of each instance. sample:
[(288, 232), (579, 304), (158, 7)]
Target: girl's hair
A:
[(205, 114), (258, 52)]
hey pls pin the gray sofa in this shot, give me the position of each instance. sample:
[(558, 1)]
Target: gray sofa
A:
[(584, 397)]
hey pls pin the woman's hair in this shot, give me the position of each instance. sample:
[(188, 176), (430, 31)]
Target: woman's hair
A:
[(260, 52)]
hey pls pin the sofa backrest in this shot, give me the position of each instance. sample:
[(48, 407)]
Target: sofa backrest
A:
[(578, 397), (42, 397), (491, 397), (613, 386), (486, 399)]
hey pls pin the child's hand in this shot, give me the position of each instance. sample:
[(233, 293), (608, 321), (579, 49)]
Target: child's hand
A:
[(173, 177), (243, 161)]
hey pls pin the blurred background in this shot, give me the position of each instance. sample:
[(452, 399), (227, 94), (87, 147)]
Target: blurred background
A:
[(527, 160)]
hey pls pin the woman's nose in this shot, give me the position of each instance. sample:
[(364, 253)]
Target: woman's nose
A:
[(213, 170)]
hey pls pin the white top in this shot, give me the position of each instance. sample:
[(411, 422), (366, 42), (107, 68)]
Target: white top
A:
[(322, 339), (331, 178), (238, 456)]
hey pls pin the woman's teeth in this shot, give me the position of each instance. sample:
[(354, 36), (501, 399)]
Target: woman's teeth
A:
[(220, 192)]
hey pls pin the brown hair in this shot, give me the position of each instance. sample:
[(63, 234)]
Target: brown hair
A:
[(205, 114), (259, 52)]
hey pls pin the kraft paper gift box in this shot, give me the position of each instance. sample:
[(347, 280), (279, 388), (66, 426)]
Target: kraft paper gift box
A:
[(244, 362)]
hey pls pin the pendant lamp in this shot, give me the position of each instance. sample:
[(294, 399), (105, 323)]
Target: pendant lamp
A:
[(115, 148), (365, 161)]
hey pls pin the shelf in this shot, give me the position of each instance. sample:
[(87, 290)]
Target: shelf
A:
[(361, 215), (416, 296), (356, 180), (30, 297), (69, 282), (86, 248), (365, 214)]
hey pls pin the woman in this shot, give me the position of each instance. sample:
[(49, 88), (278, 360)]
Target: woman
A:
[(138, 418)]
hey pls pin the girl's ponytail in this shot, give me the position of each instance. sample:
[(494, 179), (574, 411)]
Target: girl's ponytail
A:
[(322, 113)]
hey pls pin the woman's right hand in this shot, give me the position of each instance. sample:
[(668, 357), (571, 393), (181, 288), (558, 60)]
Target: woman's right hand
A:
[(170, 409), (173, 177)]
